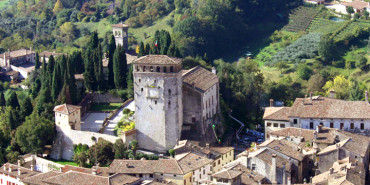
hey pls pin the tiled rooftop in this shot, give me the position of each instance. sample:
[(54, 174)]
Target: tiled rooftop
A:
[(200, 78)]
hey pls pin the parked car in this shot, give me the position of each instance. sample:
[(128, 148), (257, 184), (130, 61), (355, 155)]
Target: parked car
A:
[(257, 134)]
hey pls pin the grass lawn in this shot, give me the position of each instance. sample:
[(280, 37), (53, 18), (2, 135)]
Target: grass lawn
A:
[(4, 3), (161, 24), (105, 106), (102, 27)]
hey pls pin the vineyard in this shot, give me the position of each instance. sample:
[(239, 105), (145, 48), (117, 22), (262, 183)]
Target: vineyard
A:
[(353, 29), (324, 26), (301, 18)]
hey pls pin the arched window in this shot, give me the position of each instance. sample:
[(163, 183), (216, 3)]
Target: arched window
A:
[(137, 68), (144, 68), (158, 69), (165, 69), (151, 68), (169, 103), (171, 69), (169, 92)]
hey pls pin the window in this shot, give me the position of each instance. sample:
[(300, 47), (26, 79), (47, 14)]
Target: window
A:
[(142, 89), (144, 68), (321, 123), (155, 102), (174, 175), (139, 80), (158, 69), (204, 172), (169, 92), (155, 81), (169, 103), (140, 175), (151, 68), (331, 125), (311, 125), (295, 121), (137, 68), (276, 124), (171, 69), (362, 126), (253, 167), (218, 161), (165, 69), (151, 175), (352, 126), (341, 126), (282, 125), (268, 124)]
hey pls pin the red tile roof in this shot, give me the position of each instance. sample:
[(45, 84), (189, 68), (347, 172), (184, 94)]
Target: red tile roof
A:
[(102, 171), (73, 177), (287, 148), (169, 166), (66, 109), (277, 113), (120, 25), (201, 78), (157, 60)]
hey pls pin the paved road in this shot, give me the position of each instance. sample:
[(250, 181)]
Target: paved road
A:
[(113, 122)]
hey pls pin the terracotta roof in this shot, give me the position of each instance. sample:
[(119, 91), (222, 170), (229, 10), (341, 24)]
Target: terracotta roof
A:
[(200, 78), (47, 54), (191, 161), (17, 53), (79, 76), (248, 177), (277, 113), (101, 171), (221, 150), (130, 58), (323, 107), (120, 25), (326, 135), (66, 109), (157, 60), (358, 4), (227, 174), (73, 177), (25, 172), (120, 179), (357, 144), (38, 179), (266, 156), (333, 147), (11, 73), (169, 166), (287, 148)]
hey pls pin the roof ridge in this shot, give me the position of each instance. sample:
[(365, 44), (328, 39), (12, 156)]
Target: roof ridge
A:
[(178, 165)]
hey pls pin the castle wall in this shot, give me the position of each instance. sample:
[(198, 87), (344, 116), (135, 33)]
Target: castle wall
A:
[(192, 103)]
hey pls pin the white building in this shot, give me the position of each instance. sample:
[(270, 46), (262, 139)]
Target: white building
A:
[(11, 174), (120, 32), (308, 113)]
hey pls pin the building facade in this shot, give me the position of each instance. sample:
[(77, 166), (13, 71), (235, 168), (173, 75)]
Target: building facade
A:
[(17, 58), (120, 32), (158, 99)]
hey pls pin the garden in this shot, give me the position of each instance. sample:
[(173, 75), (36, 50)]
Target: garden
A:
[(126, 123)]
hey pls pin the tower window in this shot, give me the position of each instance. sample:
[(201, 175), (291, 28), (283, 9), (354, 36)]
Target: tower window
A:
[(139, 80), (165, 69), (155, 102), (137, 68), (362, 126), (352, 126), (144, 68), (331, 125), (158, 69), (311, 125), (169, 92), (142, 89), (151, 69), (169, 103), (341, 126), (171, 69)]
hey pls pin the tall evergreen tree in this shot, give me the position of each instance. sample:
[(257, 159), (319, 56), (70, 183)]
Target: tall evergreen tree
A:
[(165, 40), (2, 99), (13, 100), (37, 62), (141, 50), (89, 71), (77, 62), (147, 49), (36, 86), (43, 99), (51, 64), (120, 68), (72, 82), (44, 68), (63, 65), (56, 83), (112, 48), (26, 108)]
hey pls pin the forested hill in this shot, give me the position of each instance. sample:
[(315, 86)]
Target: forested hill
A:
[(214, 27)]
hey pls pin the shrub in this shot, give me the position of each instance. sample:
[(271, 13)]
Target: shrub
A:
[(126, 111)]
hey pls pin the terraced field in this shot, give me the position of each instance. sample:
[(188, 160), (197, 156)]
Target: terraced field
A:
[(352, 28), (324, 26), (301, 18)]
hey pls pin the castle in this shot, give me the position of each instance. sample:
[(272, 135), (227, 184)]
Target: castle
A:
[(172, 103)]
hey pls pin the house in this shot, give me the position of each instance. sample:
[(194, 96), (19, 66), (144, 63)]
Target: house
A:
[(17, 58), (227, 177), (199, 166), (14, 174), (166, 169), (329, 112), (358, 6), (342, 171), (48, 54)]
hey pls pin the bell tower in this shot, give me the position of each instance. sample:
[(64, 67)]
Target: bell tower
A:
[(120, 32)]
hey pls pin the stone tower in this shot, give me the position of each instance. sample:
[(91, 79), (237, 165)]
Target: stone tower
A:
[(67, 118), (158, 99), (120, 32)]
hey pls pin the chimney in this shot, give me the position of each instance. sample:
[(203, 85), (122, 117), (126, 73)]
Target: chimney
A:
[(311, 96), (10, 168), (19, 171), (271, 102), (32, 167), (207, 145), (213, 70), (367, 94), (332, 93), (284, 174), (331, 170), (19, 163), (94, 170), (273, 169), (289, 181), (31, 49), (318, 129)]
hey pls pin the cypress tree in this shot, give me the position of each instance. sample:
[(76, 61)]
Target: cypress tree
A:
[(44, 69), (37, 62), (112, 48), (51, 64), (171, 50), (77, 62), (44, 98), (36, 86), (147, 49), (26, 108), (13, 100), (165, 41), (2, 99), (120, 68), (56, 83), (63, 65), (72, 82), (141, 50), (89, 71)]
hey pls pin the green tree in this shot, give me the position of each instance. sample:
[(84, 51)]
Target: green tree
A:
[(99, 69), (101, 152), (326, 48), (356, 93), (365, 14), (26, 107), (36, 86), (141, 50), (12, 157), (44, 68), (341, 86), (56, 83), (304, 71), (361, 63), (134, 146), (147, 49), (67, 32), (37, 62), (171, 152), (80, 154), (34, 134), (350, 10), (2, 99), (315, 83), (112, 48), (119, 149), (58, 7), (13, 100), (120, 68)]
